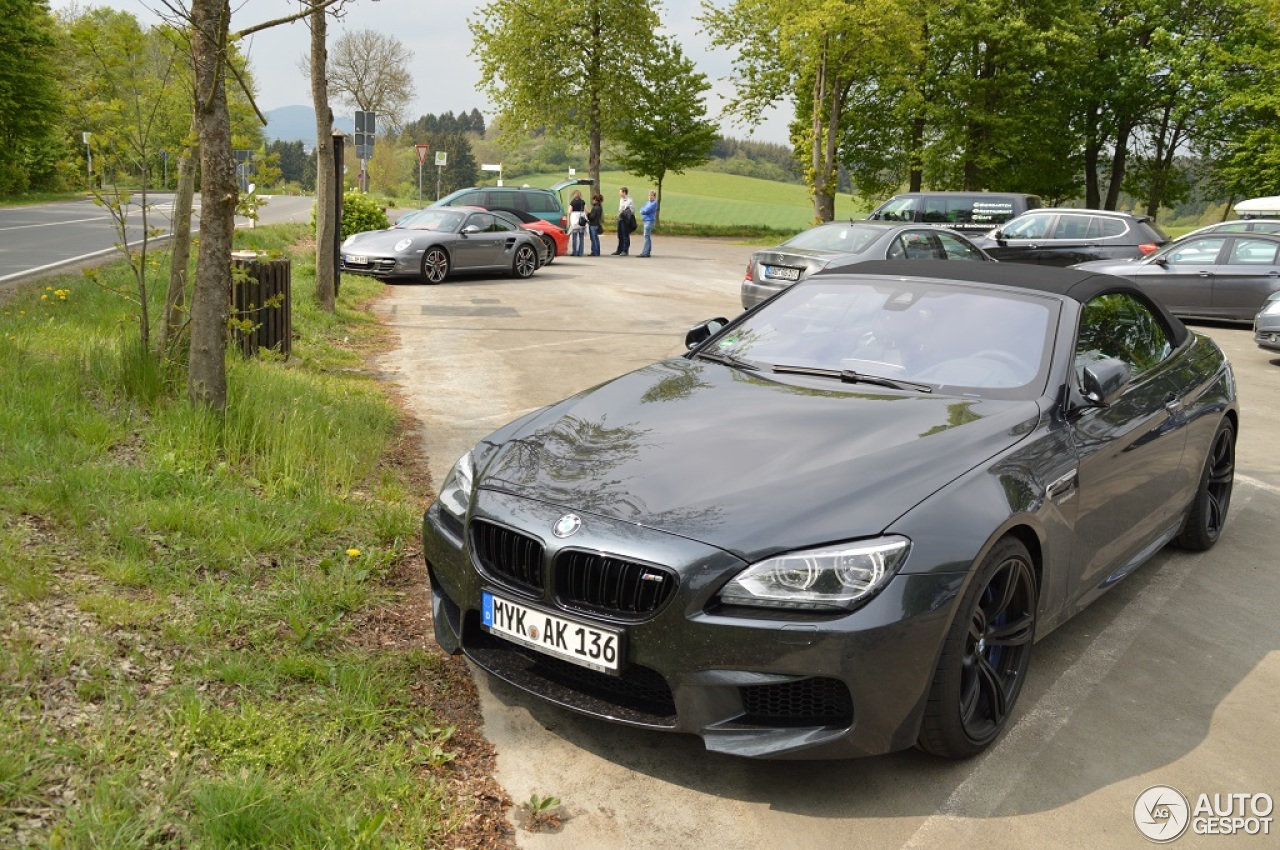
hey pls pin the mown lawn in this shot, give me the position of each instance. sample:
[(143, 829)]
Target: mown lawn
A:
[(713, 198), (213, 628)]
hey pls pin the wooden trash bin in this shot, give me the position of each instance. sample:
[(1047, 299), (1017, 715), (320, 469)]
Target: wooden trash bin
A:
[(261, 303)]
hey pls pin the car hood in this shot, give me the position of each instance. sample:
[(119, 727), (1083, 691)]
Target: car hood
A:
[(744, 462), (385, 240), (1116, 267)]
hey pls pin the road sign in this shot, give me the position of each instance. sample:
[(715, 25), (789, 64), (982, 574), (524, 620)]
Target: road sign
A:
[(422, 153), (491, 167), (442, 158)]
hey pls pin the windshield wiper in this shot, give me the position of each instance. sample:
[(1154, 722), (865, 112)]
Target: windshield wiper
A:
[(851, 377), (728, 359)]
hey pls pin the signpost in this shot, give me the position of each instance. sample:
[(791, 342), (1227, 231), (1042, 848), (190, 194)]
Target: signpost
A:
[(422, 158), (366, 123), (442, 159), (497, 168), (88, 152)]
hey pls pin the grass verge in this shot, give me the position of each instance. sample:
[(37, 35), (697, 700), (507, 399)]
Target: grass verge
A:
[(213, 629)]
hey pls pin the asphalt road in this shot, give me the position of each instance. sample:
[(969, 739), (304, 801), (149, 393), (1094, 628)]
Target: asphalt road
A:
[(1170, 679), (48, 237)]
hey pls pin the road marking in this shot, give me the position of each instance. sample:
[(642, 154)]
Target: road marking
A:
[(57, 223), (79, 259), (1261, 485)]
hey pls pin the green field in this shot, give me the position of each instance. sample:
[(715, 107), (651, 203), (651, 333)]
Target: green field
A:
[(706, 197)]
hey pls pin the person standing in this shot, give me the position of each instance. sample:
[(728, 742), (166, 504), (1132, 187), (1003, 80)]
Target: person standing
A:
[(577, 223), (595, 222), (626, 222), (649, 215)]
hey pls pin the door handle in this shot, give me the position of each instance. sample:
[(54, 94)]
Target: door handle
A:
[(1172, 403), (1206, 274), (1062, 484)]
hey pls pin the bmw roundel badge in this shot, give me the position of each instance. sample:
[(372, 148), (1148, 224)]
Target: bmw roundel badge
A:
[(567, 525)]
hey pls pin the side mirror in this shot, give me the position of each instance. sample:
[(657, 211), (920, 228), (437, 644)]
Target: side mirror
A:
[(997, 234), (703, 331), (471, 228), (1161, 261), (1105, 381)]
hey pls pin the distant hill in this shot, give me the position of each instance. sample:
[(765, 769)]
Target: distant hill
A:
[(298, 124)]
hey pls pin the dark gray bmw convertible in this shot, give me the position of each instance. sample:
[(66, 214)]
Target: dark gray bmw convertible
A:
[(837, 525)]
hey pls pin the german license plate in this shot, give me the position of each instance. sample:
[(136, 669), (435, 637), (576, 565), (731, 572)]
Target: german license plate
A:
[(357, 260), (781, 273), (552, 634)]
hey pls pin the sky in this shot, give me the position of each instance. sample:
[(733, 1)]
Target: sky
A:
[(436, 31)]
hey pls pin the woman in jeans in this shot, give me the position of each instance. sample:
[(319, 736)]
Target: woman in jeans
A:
[(595, 222), (576, 230)]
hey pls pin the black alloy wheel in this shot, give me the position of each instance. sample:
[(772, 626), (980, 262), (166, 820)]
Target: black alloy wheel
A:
[(1208, 513), (435, 265), (985, 658), (525, 262)]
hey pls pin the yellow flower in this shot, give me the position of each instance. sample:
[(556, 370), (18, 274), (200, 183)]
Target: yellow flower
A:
[(44, 297), (353, 552)]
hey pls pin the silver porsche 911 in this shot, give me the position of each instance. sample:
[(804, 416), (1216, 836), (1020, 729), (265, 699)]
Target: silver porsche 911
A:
[(438, 243)]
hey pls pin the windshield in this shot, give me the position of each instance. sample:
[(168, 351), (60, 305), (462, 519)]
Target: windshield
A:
[(432, 219), (961, 339), (845, 238)]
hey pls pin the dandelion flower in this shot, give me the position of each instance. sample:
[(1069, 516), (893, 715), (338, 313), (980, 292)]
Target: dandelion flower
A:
[(353, 552)]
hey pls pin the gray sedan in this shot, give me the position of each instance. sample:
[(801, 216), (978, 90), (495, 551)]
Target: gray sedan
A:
[(438, 242), (1218, 276), (845, 243)]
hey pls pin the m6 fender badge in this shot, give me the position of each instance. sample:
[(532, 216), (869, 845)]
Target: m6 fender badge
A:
[(567, 525)]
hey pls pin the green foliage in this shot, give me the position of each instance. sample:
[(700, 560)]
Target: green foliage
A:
[(30, 100), (667, 130), (360, 212)]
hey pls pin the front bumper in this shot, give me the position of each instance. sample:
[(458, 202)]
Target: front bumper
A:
[(750, 683), (1267, 334)]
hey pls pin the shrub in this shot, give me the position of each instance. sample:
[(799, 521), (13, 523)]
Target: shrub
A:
[(359, 213)]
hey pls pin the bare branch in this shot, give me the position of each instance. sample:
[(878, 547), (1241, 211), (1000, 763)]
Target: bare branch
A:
[(288, 19)]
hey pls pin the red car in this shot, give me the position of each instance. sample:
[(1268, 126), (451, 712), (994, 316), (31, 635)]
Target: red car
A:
[(556, 239)]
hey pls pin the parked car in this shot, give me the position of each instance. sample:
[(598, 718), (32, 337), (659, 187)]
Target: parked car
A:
[(1266, 325), (842, 243), (969, 212), (836, 525), (555, 238), (546, 204), (1220, 276), (440, 242), (1243, 225), (1063, 237)]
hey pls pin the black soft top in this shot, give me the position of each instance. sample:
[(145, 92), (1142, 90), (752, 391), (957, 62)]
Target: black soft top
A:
[(1077, 285)]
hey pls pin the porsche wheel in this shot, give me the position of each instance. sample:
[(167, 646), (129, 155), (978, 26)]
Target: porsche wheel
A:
[(985, 657), (435, 265), (1208, 513), (525, 262)]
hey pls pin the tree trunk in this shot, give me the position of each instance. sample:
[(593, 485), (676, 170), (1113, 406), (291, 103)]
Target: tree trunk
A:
[(1092, 151), (1124, 128), (180, 256), (822, 144), (326, 178), (207, 370)]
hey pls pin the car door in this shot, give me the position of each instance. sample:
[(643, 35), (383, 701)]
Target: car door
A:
[(1129, 453), (914, 245), (477, 246), (1069, 241), (956, 248), (1182, 277), (1247, 275), (1020, 240)]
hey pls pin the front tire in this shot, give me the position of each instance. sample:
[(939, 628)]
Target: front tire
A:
[(525, 262), (551, 247), (1208, 513), (435, 265), (985, 657)]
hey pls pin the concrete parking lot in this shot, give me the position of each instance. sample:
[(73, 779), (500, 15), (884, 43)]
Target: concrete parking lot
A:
[(1171, 679)]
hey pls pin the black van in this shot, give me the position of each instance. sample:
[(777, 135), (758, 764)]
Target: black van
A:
[(972, 212)]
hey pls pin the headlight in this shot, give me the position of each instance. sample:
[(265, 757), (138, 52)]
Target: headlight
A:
[(349, 240), (455, 495), (833, 578), (403, 243), (1271, 308)]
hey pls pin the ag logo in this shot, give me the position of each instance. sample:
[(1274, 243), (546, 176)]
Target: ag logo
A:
[(1161, 813), (567, 525)]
